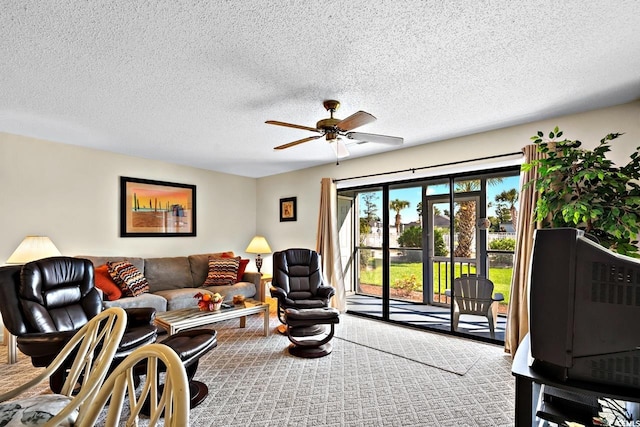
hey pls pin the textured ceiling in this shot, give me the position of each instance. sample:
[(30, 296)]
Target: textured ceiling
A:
[(192, 82)]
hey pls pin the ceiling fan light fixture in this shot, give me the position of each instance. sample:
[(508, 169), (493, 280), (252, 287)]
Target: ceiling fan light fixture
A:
[(338, 147)]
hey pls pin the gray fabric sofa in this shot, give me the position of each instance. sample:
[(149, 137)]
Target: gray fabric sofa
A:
[(173, 282)]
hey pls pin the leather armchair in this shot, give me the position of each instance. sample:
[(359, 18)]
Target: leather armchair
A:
[(45, 302), (297, 281)]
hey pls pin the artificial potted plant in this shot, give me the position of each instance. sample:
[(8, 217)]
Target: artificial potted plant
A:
[(583, 189)]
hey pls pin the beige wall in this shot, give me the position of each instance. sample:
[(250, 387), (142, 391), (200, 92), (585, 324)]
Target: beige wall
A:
[(71, 194), (587, 127)]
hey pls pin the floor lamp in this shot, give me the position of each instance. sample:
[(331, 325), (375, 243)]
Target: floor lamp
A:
[(32, 248)]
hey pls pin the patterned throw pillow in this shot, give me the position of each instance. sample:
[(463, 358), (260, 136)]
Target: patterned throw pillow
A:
[(222, 271), (129, 278), (241, 268)]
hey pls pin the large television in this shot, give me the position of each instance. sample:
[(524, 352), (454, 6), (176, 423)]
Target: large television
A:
[(584, 310)]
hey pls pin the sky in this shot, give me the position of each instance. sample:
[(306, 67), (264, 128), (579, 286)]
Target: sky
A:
[(413, 196)]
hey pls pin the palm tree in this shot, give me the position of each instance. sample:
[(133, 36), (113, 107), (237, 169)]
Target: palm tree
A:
[(465, 217), (510, 197), (397, 205)]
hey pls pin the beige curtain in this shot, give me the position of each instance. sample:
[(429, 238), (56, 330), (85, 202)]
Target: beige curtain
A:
[(327, 244), (518, 315)]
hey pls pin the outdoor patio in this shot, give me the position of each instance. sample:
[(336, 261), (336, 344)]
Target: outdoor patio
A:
[(425, 316)]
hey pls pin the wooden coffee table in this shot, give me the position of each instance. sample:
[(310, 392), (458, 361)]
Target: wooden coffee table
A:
[(176, 320)]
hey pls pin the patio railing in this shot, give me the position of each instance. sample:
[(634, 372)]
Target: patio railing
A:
[(442, 274), (406, 278)]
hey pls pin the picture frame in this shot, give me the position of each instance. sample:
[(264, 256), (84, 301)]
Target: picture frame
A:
[(150, 208), (288, 209)]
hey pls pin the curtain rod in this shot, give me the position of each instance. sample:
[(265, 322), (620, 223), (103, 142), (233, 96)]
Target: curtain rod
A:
[(412, 170)]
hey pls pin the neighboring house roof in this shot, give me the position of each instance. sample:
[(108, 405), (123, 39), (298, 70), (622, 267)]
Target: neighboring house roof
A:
[(508, 227), (441, 221)]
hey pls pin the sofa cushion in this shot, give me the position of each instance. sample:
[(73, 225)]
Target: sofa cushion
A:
[(181, 298), (129, 278), (168, 273), (222, 271), (247, 289), (199, 264), (99, 260), (105, 283), (144, 300)]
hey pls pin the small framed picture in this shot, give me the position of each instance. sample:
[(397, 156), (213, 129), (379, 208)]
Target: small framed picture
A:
[(288, 209)]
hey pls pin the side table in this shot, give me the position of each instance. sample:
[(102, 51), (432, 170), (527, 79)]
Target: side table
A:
[(265, 283), (12, 348)]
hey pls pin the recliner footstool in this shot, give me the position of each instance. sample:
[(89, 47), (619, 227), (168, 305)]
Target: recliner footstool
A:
[(299, 320), (191, 345)]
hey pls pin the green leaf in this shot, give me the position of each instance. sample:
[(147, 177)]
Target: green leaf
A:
[(582, 188)]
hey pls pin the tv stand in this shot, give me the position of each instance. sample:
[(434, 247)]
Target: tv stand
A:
[(529, 383)]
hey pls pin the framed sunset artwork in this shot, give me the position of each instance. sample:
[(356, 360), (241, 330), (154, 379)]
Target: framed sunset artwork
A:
[(156, 208)]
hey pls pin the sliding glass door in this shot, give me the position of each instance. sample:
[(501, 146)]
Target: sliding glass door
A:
[(411, 240), (369, 253)]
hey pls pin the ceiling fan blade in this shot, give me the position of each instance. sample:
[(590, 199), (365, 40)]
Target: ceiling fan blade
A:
[(339, 149), (290, 125), (371, 137), (294, 143), (355, 120)]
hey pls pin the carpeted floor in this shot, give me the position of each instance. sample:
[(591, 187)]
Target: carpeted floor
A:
[(377, 375), (453, 355)]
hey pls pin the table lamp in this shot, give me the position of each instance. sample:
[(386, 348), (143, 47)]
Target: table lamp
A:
[(258, 246), (33, 248)]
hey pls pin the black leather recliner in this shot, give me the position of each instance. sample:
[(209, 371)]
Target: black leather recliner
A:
[(45, 302), (297, 281)]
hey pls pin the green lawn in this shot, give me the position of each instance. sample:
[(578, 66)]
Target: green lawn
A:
[(501, 277)]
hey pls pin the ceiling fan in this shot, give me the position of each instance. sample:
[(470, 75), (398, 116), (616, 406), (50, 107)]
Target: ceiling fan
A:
[(332, 128)]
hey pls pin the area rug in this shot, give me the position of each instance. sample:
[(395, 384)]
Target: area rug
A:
[(451, 354), (253, 381)]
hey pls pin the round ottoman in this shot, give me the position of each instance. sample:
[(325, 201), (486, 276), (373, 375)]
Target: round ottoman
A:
[(191, 345), (303, 319)]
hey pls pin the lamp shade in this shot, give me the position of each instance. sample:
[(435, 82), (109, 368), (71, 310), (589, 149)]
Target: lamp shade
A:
[(33, 248), (258, 245)]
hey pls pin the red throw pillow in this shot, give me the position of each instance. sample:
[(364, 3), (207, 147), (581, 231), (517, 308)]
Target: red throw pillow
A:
[(105, 283), (241, 268)]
